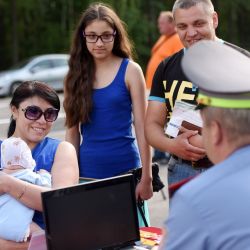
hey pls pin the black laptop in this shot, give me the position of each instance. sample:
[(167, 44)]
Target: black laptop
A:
[(95, 215)]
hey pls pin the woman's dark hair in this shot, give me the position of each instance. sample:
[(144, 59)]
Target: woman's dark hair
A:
[(79, 80), (29, 89)]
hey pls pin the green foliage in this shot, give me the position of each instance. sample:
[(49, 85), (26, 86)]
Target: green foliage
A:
[(234, 20), (31, 27)]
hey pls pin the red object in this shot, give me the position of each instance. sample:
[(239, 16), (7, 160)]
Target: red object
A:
[(155, 230), (150, 236), (175, 186)]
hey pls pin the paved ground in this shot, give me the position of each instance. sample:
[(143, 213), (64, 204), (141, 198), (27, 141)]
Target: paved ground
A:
[(158, 206)]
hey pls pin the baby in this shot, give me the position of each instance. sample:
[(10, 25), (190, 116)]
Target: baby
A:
[(15, 217)]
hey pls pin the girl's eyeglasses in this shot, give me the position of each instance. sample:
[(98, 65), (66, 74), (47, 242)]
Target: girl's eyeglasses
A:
[(34, 113), (105, 38)]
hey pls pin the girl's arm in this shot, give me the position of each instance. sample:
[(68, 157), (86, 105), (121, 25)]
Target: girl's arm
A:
[(73, 136), (136, 85)]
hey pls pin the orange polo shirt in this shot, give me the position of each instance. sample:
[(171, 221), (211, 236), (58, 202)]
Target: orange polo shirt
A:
[(164, 47)]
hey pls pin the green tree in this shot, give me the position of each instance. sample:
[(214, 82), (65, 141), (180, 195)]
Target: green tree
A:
[(31, 27)]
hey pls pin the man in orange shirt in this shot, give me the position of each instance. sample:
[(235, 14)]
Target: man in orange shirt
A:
[(168, 44)]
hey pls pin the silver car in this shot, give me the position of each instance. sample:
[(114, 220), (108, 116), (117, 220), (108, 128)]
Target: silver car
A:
[(50, 68)]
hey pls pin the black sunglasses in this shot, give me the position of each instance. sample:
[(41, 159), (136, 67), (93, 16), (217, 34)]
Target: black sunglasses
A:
[(34, 113)]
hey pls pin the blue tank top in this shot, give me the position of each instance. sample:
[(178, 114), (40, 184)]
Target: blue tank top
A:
[(108, 146), (44, 154)]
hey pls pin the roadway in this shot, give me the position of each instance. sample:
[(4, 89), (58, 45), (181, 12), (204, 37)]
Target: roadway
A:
[(158, 207)]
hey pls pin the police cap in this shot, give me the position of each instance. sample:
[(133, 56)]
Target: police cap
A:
[(221, 72)]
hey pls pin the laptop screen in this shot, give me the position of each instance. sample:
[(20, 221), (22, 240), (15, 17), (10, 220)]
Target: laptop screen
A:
[(94, 215)]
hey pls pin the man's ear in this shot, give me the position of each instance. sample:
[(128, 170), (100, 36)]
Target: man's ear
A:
[(215, 20), (216, 133)]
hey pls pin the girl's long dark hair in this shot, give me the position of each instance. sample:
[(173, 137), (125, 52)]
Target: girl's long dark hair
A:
[(79, 80), (29, 89)]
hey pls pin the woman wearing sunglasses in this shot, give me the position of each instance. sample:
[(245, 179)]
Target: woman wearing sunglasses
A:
[(105, 94), (34, 107)]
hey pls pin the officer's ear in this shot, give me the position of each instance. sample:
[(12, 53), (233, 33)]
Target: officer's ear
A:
[(217, 133)]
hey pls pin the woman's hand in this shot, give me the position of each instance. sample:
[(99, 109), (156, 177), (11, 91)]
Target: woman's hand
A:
[(11, 245), (144, 190), (3, 186)]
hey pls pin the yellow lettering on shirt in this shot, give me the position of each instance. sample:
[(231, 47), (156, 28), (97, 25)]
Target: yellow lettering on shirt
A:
[(181, 95), (169, 95)]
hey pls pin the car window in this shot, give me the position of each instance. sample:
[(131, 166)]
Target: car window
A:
[(45, 64), (60, 62), (21, 64)]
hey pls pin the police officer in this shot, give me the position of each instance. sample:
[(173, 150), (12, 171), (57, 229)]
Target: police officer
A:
[(212, 210)]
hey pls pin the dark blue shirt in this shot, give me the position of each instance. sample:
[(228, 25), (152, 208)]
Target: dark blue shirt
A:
[(108, 146)]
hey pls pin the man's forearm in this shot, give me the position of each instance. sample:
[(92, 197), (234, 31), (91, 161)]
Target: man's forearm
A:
[(156, 138)]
